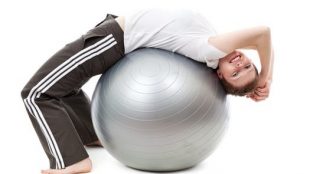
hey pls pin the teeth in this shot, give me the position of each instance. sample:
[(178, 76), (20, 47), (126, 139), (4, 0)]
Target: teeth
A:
[(235, 59)]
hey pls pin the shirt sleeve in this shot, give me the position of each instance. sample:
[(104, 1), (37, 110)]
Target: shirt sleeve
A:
[(212, 55)]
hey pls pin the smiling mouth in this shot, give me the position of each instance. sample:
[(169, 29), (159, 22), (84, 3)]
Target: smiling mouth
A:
[(235, 58)]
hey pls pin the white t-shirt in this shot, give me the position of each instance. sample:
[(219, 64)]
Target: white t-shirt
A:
[(181, 31)]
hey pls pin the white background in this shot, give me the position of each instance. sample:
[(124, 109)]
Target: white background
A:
[(267, 137)]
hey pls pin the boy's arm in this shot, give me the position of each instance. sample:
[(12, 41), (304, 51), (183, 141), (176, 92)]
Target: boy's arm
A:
[(262, 93), (271, 65)]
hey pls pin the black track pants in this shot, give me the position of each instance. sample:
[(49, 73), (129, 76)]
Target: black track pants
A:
[(59, 110)]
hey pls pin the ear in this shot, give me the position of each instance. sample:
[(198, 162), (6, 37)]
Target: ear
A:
[(219, 74)]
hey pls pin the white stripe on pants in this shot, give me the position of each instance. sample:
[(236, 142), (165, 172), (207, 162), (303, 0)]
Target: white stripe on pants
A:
[(52, 78)]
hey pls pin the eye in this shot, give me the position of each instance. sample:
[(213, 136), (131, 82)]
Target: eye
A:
[(235, 74), (248, 66)]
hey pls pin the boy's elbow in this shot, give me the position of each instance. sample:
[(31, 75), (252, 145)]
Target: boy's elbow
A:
[(265, 30), (263, 34)]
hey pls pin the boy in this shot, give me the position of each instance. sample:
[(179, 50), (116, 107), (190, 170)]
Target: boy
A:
[(60, 110)]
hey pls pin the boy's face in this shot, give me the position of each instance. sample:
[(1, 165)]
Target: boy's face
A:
[(236, 68)]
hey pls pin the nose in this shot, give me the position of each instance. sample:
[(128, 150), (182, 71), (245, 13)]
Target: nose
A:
[(239, 64)]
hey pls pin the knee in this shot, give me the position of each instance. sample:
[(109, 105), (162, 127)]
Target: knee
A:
[(25, 92)]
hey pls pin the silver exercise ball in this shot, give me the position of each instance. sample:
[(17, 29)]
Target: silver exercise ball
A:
[(156, 110)]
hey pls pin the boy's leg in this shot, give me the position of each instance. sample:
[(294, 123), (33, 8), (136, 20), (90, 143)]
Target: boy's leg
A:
[(64, 73), (78, 108), (56, 132)]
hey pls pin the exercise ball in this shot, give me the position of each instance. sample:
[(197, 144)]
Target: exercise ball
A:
[(156, 110)]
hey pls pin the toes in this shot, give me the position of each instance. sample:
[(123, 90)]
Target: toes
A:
[(51, 171), (44, 172)]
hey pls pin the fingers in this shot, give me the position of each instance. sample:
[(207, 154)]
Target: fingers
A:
[(262, 89), (251, 96), (260, 98), (261, 92), (257, 98), (258, 95)]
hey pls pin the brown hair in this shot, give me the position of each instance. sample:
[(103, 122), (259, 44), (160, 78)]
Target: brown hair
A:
[(240, 91)]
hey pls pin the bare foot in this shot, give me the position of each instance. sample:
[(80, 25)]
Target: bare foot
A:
[(95, 143), (83, 166)]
